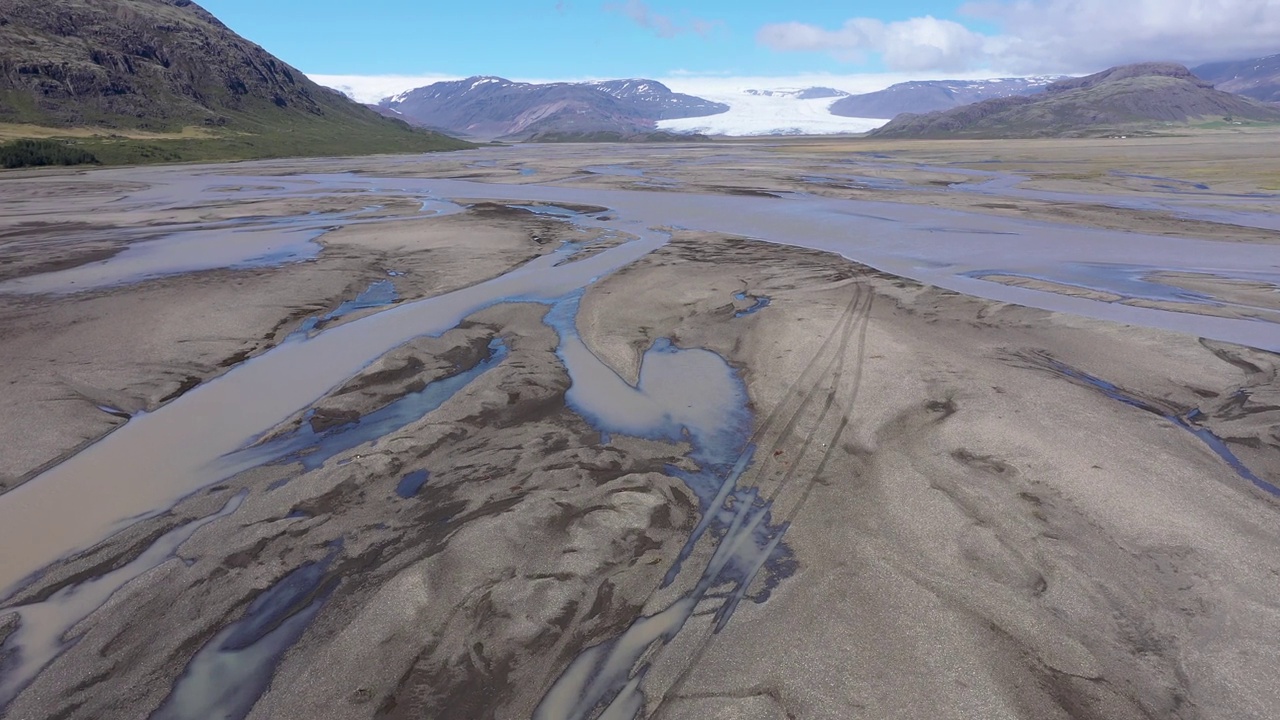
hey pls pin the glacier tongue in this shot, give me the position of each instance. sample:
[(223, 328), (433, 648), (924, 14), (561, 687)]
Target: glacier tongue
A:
[(771, 114)]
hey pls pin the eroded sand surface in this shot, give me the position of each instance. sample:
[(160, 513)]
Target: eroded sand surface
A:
[(751, 430)]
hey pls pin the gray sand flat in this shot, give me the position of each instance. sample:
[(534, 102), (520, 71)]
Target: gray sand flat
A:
[(725, 448)]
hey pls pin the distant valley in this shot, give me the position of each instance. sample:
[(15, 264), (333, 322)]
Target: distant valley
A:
[(1134, 98), (492, 107), (134, 81)]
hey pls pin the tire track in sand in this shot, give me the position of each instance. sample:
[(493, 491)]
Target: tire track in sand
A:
[(854, 319)]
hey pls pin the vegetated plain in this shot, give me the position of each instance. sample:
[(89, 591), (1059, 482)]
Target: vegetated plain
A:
[(812, 428), (1231, 157)]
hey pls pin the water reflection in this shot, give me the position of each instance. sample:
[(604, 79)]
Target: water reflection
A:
[(682, 395), (228, 675)]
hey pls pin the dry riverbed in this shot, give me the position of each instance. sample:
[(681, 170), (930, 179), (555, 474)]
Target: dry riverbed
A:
[(557, 443)]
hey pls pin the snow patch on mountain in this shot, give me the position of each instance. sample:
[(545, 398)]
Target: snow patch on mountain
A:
[(371, 89)]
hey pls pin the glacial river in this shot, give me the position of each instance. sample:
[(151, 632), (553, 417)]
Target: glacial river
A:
[(156, 459)]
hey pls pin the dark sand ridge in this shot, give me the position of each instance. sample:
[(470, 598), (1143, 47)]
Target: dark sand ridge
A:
[(905, 223), (207, 423), (197, 331), (1204, 206), (1076, 182), (941, 352), (958, 528), (225, 194), (914, 251), (935, 246), (943, 499)]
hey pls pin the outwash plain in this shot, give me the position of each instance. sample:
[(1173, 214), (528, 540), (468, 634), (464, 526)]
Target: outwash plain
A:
[(810, 428)]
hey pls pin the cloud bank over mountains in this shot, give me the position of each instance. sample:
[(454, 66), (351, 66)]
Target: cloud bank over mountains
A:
[(373, 88), (924, 43), (1036, 36)]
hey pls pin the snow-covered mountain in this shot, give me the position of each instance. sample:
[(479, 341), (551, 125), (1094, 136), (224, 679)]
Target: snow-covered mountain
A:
[(1258, 78), (931, 95), (490, 107), (657, 101)]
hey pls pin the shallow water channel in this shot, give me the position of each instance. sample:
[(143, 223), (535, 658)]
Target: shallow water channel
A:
[(683, 394)]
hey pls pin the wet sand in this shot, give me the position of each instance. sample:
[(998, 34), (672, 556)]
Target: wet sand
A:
[(572, 435)]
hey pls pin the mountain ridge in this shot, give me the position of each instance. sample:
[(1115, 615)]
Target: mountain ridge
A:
[(1128, 96), (1257, 78), (164, 65), (488, 107), (922, 96)]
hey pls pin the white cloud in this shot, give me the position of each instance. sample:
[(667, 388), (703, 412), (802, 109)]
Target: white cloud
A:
[(372, 88), (1093, 34), (850, 42), (661, 25), (923, 43), (927, 43), (1050, 35)]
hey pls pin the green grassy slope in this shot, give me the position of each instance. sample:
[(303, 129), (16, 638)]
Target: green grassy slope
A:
[(165, 65), (1137, 99)]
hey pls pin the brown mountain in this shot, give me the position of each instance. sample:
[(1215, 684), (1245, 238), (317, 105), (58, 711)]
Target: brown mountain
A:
[(922, 96), (1258, 78), (493, 107), (164, 65), (1126, 98)]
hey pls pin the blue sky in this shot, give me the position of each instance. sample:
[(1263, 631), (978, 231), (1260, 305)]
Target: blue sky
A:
[(380, 47), (546, 39)]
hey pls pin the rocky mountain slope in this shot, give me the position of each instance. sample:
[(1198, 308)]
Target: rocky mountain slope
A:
[(1258, 78), (657, 101), (165, 65), (933, 95), (1133, 97), (493, 107)]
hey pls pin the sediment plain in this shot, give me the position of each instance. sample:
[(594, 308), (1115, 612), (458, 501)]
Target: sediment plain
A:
[(789, 429)]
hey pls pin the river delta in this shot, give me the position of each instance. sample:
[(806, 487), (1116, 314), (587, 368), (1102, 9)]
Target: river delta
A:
[(787, 429)]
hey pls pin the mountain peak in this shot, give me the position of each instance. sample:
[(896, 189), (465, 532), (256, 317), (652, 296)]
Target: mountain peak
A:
[(486, 106), (162, 65), (1258, 78), (924, 96)]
